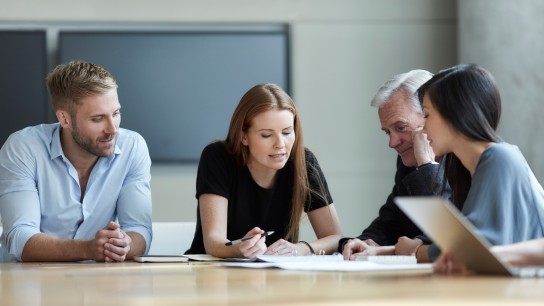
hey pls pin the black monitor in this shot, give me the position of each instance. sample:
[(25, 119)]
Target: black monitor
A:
[(23, 94), (178, 89)]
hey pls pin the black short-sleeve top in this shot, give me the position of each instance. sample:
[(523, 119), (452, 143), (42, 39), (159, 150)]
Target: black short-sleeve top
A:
[(250, 205)]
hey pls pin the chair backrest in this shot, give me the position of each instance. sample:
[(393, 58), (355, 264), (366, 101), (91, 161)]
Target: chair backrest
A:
[(172, 238)]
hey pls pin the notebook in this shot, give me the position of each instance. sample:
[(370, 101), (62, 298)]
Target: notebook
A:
[(441, 221), (160, 258)]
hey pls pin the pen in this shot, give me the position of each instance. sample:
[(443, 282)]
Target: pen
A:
[(233, 242)]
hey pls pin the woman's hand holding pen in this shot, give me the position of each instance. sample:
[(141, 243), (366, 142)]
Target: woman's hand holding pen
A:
[(254, 246)]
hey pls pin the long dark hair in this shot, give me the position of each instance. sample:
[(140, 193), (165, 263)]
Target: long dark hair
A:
[(467, 97)]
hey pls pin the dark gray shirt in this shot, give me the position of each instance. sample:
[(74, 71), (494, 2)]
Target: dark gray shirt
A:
[(391, 222), (505, 202)]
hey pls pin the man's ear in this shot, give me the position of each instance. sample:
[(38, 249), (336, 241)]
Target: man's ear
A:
[(63, 117)]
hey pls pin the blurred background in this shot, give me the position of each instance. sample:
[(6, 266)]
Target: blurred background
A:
[(335, 55)]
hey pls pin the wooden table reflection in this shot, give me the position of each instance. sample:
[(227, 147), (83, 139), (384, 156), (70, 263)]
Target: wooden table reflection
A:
[(204, 284)]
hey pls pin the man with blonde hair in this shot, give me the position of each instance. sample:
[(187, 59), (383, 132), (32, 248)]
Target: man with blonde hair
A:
[(77, 189)]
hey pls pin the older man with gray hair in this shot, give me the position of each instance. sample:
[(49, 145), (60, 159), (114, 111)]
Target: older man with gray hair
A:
[(401, 118)]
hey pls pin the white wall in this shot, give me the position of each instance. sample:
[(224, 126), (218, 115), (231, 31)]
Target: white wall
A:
[(507, 38), (342, 51)]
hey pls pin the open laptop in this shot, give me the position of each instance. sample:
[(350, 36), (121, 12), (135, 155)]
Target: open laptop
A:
[(441, 221)]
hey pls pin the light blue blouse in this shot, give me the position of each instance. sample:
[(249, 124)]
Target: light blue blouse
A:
[(40, 191), (505, 202)]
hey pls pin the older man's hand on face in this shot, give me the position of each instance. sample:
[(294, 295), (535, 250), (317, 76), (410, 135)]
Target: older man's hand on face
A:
[(423, 151)]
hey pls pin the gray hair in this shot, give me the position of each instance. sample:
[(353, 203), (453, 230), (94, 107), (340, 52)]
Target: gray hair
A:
[(409, 82)]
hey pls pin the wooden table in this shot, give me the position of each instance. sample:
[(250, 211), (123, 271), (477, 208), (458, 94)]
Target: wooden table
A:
[(204, 284)]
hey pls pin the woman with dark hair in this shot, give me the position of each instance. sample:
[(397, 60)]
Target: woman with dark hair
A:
[(262, 178), (491, 182)]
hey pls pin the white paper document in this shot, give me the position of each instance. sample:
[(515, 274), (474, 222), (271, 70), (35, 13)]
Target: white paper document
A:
[(303, 258), (347, 266), (321, 264), (176, 258)]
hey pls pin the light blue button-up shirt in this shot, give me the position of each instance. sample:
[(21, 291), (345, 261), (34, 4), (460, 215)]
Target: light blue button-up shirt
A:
[(40, 191)]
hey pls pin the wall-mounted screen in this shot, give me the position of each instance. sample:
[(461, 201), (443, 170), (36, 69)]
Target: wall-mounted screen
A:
[(23, 94), (178, 89)]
